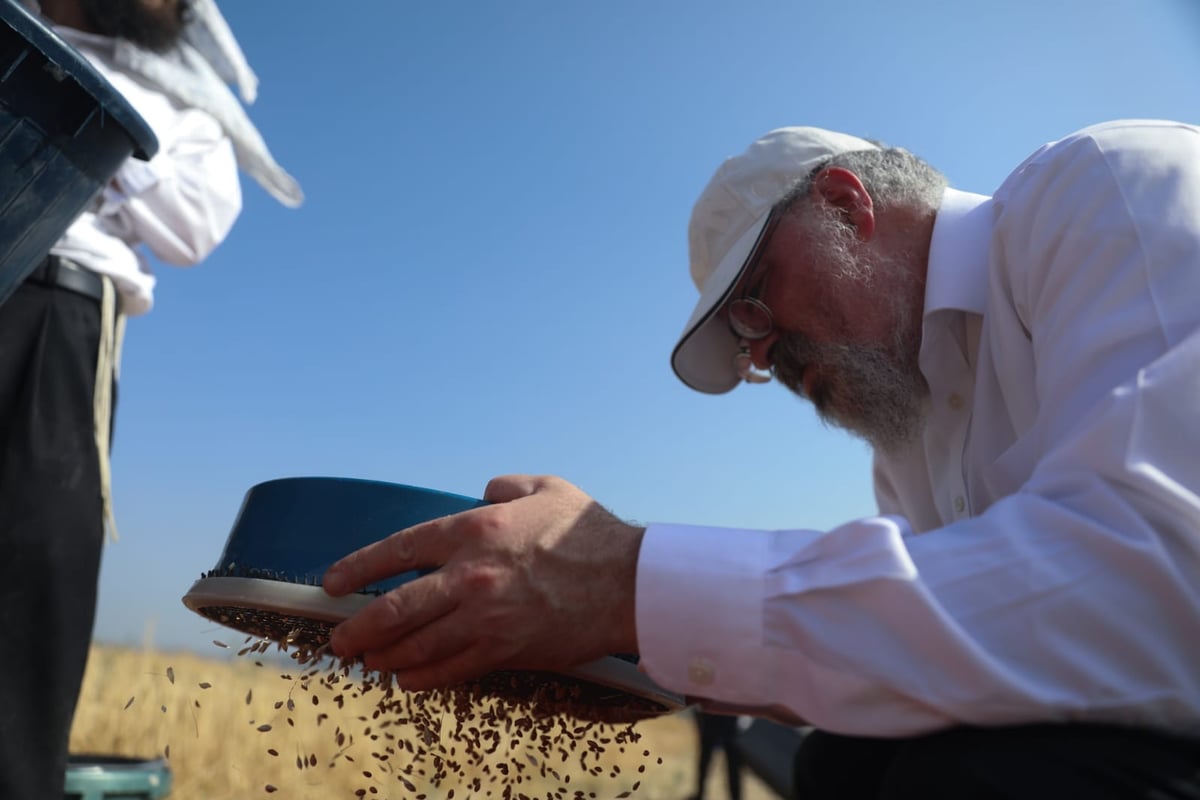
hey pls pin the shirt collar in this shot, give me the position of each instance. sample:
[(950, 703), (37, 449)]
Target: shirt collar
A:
[(958, 253)]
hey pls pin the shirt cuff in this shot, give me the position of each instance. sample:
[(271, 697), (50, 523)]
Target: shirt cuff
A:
[(700, 611), (137, 176)]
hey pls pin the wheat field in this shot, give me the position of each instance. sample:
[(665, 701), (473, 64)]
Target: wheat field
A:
[(247, 726)]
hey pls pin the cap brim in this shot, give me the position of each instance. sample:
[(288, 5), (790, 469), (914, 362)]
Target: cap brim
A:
[(703, 359)]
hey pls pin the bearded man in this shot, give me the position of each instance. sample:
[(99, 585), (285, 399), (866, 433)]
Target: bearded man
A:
[(1019, 618), (60, 335)]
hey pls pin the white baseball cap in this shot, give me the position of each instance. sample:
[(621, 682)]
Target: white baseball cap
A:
[(726, 225)]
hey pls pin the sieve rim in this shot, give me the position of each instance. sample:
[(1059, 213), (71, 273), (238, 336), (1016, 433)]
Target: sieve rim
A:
[(265, 594), (301, 600)]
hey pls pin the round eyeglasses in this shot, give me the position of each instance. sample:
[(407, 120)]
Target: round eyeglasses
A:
[(750, 319)]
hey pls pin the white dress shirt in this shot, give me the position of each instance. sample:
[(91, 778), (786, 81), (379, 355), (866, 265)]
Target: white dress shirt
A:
[(180, 204), (1036, 556)]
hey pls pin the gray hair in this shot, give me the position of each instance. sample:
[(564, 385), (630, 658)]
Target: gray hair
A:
[(892, 177)]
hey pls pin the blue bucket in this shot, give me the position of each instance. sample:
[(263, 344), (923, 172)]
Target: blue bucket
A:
[(288, 533), (64, 132), (97, 777), (293, 529)]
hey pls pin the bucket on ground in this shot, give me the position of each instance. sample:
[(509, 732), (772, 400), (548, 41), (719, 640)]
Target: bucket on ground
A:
[(100, 777), (64, 132)]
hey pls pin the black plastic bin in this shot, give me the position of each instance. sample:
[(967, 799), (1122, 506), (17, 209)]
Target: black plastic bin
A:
[(64, 131)]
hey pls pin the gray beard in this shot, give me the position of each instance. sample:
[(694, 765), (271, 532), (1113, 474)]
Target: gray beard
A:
[(875, 391), (864, 390), (156, 29)]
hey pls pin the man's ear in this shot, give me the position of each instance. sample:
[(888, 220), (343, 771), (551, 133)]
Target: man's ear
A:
[(841, 188)]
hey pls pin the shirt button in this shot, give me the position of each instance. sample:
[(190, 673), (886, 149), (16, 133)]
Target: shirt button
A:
[(700, 672), (955, 401), (959, 504)]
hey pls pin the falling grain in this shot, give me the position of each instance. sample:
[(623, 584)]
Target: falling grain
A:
[(494, 738)]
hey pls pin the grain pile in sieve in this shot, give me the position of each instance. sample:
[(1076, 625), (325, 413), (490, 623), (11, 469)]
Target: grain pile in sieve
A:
[(510, 735)]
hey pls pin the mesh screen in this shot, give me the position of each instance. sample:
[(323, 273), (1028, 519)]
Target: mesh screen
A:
[(283, 628), (550, 693)]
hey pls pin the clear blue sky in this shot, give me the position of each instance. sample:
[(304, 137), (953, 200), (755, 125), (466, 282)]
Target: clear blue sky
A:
[(490, 269)]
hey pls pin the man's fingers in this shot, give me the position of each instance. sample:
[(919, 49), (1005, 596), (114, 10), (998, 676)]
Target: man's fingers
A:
[(428, 544), (465, 665), (511, 487), (393, 616), (441, 639)]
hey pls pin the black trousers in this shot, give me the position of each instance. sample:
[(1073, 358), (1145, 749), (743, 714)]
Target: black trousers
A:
[(719, 731), (51, 528), (1029, 762)]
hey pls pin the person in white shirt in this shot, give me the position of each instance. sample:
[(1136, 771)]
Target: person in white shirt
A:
[(1020, 617), (60, 335)]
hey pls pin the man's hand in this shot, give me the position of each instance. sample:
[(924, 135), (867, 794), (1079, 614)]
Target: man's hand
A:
[(543, 578)]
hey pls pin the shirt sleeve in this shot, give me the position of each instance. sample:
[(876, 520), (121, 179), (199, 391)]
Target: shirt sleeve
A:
[(182, 202), (1076, 597)]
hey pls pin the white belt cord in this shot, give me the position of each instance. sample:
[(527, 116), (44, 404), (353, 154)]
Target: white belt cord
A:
[(108, 367)]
